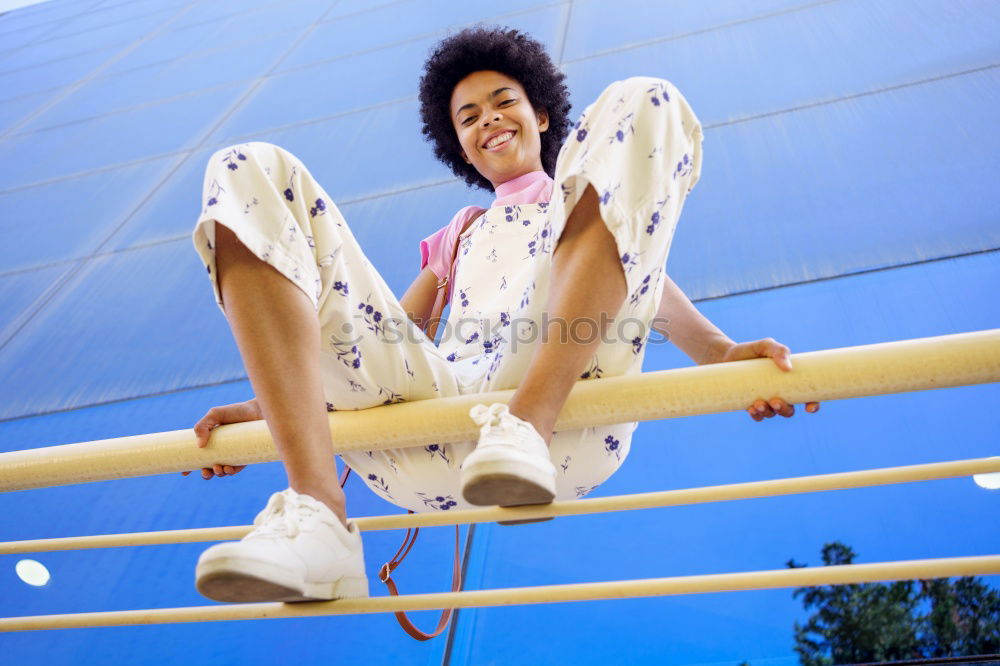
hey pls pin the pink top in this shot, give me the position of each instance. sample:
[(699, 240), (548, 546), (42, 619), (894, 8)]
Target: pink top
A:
[(436, 250)]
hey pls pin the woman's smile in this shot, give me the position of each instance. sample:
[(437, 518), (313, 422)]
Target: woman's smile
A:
[(500, 141)]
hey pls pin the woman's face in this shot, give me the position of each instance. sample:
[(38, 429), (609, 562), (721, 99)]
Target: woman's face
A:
[(497, 127)]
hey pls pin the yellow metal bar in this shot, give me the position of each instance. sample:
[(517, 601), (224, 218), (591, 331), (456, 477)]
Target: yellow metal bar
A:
[(619, 589), (892, 367), (722, 493)]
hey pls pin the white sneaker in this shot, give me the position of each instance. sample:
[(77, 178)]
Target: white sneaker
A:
[(298, 551), (510, 466)]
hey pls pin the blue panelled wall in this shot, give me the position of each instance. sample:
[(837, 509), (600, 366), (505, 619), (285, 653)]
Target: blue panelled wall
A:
[(848, 196)]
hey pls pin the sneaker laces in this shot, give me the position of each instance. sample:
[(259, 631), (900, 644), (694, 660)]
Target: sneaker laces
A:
[(282, 515), (497, 420), (496, 416)]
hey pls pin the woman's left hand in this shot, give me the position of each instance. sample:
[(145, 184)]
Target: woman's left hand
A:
[(780, 354)]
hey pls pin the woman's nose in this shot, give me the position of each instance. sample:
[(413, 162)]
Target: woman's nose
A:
[(487, 120)]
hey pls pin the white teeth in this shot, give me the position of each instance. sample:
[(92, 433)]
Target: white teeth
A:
[(506, 136)]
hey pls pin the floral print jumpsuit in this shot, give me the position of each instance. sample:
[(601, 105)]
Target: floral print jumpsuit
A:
[(638, 144)]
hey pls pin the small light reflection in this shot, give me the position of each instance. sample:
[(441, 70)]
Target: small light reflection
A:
[(989, 481), (32, 572)]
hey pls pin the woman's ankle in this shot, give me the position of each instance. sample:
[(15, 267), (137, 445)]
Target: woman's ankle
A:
[(543, 423), (334, 500)]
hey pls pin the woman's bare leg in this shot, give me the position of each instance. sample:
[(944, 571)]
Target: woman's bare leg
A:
[(587, 281), (278, 334)]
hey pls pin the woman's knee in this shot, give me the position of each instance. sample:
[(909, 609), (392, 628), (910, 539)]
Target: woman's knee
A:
[(228, 243)]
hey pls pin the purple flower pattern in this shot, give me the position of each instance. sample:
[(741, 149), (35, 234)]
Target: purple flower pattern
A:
[(372, 317), (625, 129), (289, 194), (391, 397), (684, 167), (378, 484), (636, 296), (439, 502), (612, 447), (608, 195), (494, 365), (540, 241), (438, 451), (232, 159), (526, 295), (567, 191), (593, 371), (349, 357), (630, 261), (492, 344), (654, 219), (637, 343), (214, 192), (656, 92), (318, 209)]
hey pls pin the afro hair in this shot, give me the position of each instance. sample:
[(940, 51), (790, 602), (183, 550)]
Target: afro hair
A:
[(509, 52)]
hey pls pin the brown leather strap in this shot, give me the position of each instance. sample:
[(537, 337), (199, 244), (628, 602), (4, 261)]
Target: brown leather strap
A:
[(456, 584), (386, 571), (435, 318), (443, 288)]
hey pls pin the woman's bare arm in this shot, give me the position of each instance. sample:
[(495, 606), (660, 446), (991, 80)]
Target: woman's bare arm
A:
[(418, 301), (680, 322)]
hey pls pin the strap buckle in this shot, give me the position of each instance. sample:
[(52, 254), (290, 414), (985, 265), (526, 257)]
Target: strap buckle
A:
[(443, 281), (385, 572)]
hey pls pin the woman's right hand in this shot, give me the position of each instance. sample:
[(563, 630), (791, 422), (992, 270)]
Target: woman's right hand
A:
[(235, 413)]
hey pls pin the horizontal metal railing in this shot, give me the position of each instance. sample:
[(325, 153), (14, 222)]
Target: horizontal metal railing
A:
[(616, 589), (834, 374), (663, 498)]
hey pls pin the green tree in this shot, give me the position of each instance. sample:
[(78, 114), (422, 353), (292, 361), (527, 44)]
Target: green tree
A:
[(894, 621), (964, 618)]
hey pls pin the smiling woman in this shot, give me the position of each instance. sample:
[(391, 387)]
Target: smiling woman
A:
[(506, 144), (560, 280)]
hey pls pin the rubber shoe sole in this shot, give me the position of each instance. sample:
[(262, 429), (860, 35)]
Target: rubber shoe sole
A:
[(242, 580), (500, 483)]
